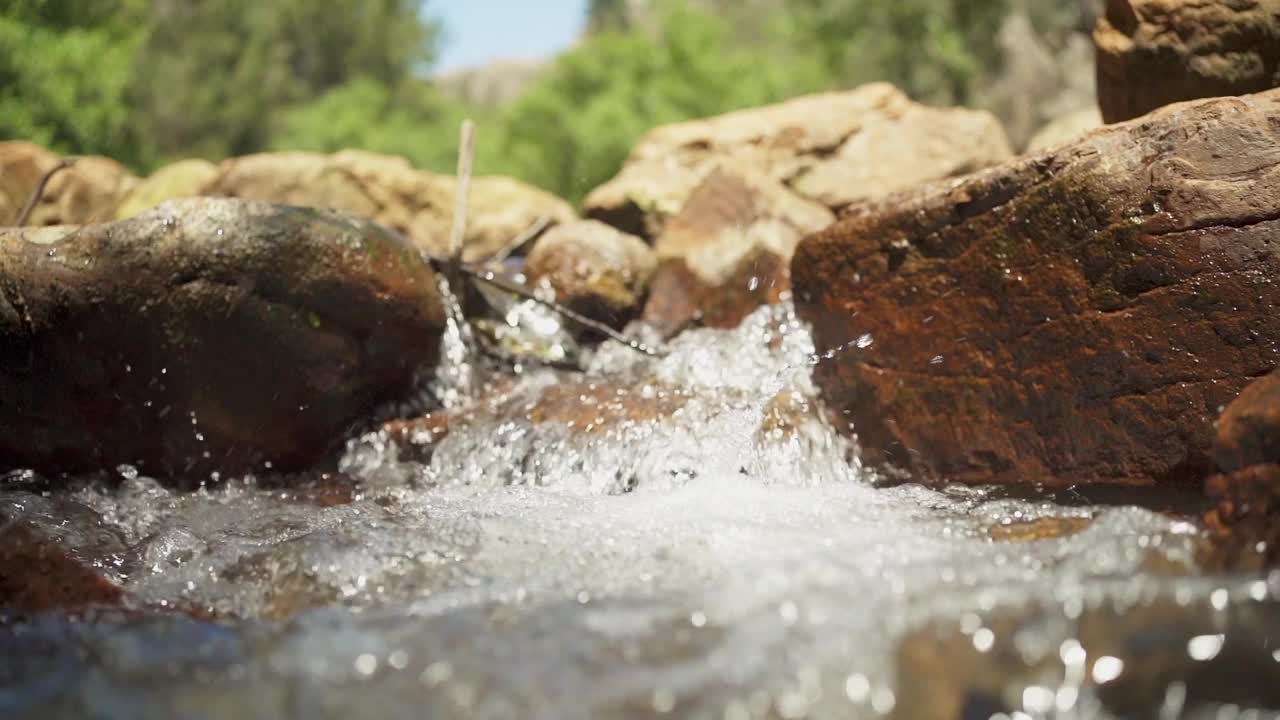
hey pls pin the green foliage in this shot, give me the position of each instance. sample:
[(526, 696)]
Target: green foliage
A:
[(413, 121), (64, 72), (216, 92), (933, 49), (607, 15), (572, 129)]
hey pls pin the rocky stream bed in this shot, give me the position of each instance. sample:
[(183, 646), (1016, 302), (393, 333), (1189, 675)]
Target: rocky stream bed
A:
[(888, 421)]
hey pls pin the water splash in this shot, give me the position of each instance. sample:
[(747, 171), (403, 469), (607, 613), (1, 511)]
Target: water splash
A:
[(680, 536)]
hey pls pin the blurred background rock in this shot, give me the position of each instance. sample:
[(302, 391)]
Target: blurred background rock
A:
[(148, 82)]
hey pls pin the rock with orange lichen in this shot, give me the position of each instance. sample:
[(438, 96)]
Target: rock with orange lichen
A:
[(1077, 316)]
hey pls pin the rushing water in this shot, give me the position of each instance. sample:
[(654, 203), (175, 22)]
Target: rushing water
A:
[(679, 536)]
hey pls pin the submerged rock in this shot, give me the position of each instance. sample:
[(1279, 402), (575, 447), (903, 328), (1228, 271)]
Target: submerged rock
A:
[(53, 554), (728, 250), (1156, 52), (88, 191), (1246, 519), (207, 335), (389, 191), (833, 148), (1125, 658), (594, 269), (1078, 316)]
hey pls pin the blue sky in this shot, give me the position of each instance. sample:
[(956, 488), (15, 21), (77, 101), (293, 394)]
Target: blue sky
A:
[(477, 31)]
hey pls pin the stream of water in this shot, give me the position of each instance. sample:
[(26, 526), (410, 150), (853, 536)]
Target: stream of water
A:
[(654, 537)]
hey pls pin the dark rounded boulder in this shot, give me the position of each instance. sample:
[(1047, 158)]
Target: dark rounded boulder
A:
[(208, 335)]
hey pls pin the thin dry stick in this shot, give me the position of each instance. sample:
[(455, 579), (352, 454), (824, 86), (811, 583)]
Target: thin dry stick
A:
[(453, 267), (466, 153), (38, 193), (493, 279), (531, 233)]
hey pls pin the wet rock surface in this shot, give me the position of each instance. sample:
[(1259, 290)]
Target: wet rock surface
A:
[(1082, 315), (54, 556), (88, 191), (594, 269), (207, 336), (833, 149), (1153, 53), (728, 250)]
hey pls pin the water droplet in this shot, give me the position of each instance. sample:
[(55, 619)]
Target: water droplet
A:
[(436, 673), (664, 701), (983, 640), (1038, 700), (398, 659), (857, 688), (1107, 668), (366, 664), (1205, 647), (883, 700)]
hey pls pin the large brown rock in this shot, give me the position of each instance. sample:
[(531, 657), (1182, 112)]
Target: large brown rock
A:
[(207, 335), (1073, 317), (391, 192), (729, 249), (594, 269), (1156, 52), (834, 148), (88, 191)]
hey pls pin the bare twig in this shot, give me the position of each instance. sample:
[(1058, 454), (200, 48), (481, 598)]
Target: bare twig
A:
[(454, 271), (487, 276), (530, 234), (466, 154), (38, 193)]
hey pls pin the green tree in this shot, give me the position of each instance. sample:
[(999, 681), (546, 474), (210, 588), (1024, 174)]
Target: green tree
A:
[(413, 121), (215, 73), (933, 49), (572, 129), (608, 16), (64, 71)]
